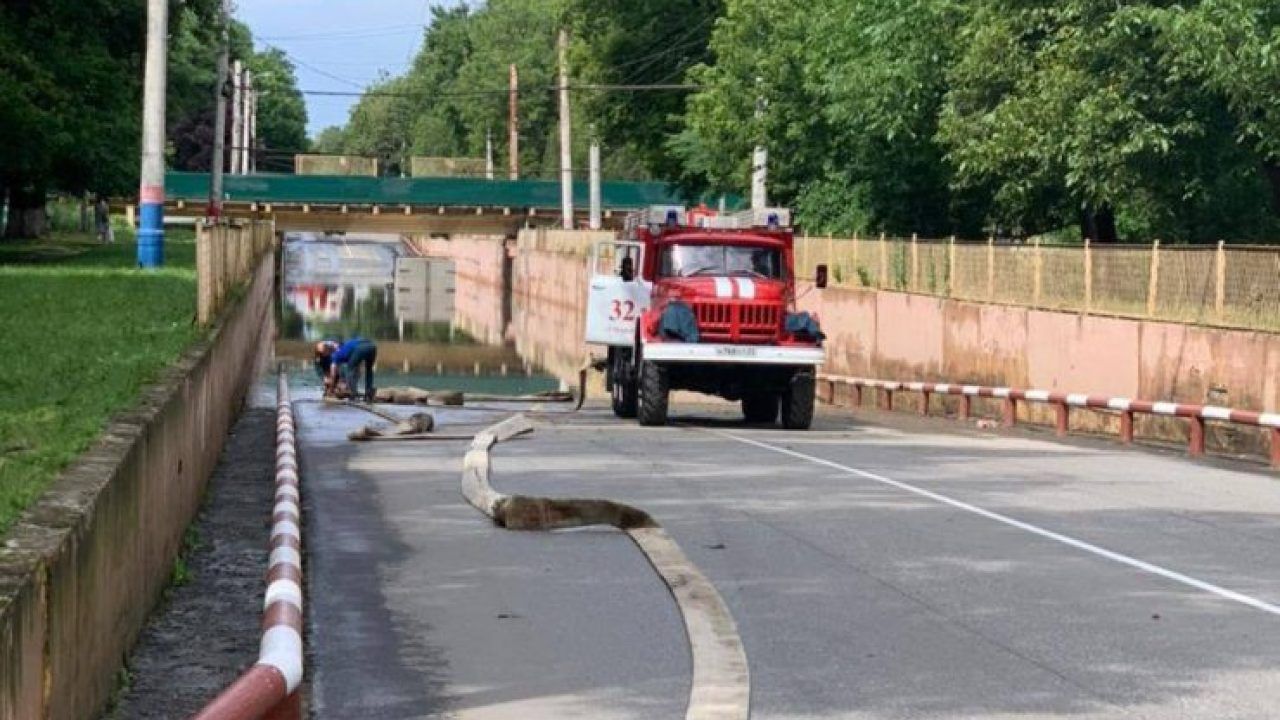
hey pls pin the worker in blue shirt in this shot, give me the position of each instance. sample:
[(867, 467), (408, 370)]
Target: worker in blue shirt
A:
[(324, 363), (348, 359)]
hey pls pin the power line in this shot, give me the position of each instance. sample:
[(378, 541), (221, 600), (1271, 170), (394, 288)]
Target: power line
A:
[(407, 95), (315, 69), (657, 87)]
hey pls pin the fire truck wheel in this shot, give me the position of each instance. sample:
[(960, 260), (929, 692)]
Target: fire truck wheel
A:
[(760, 408), (623, 392), (797, 402), (653, 394)]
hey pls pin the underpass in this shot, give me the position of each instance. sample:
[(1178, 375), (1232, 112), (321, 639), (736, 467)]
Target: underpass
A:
[(878, 566)]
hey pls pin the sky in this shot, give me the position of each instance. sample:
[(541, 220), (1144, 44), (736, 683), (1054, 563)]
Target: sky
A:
[(339, 45)]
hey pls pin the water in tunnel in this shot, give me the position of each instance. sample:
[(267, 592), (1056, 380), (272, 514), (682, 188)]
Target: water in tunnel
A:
[(336, 286)]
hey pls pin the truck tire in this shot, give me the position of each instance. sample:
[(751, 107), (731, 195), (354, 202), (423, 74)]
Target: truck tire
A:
[(761, 409), (622, 390), (797, 401), (654, 393)]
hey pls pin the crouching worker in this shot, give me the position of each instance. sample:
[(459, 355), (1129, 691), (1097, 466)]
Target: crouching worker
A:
[(341, 364), (350, 356), (325, 350)]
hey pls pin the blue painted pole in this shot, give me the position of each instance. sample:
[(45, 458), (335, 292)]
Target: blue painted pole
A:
[(151, 190)]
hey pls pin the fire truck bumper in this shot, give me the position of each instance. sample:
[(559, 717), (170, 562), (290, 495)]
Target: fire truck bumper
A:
[(746, 354)]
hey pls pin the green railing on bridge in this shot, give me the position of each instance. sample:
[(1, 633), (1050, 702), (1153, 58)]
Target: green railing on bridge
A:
[(451, 192)]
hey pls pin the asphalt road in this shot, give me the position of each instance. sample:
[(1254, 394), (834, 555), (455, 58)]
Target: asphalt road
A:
[(877, 567)]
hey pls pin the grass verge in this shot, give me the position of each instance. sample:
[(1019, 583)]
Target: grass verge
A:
[(86, 331)]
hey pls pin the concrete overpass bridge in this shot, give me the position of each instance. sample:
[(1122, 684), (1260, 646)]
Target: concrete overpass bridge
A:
[(320, 203)]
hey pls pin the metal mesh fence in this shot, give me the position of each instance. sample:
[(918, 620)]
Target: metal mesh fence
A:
[(1121, 279), (969, 271), (1062, 278), (1250, 287), (1231, 286), (1186, 285)]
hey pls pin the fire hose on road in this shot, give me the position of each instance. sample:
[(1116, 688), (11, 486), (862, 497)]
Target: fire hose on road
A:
[(721, 687)]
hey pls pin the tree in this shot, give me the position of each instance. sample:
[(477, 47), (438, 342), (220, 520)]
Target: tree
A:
[(851, 94), (1066, 111), (70, 112), (1232, 47), (282, 111), (629, 43), (331, 141)]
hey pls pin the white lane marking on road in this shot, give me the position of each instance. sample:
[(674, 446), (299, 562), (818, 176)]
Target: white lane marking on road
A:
[(1121, 558)]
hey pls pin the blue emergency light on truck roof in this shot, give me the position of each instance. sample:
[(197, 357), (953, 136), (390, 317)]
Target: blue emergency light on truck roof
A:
[(659, 216)]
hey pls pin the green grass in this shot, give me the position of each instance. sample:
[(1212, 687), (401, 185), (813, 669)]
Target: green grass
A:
[(85, 331)]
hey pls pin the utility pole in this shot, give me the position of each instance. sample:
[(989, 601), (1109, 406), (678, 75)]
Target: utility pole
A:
[(151, 190), (217, 163), (759, 160), (237, 114), (566, 136), (246, 92), (250, 150), (596, 220), (488, 154), (513, 124)]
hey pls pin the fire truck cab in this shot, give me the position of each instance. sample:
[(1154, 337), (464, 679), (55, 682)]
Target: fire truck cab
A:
[(707, 303)]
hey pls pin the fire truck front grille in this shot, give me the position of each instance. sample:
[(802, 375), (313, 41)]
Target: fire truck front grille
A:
[(737, 322)]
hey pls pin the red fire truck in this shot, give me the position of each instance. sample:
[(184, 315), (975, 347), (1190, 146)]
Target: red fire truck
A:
[(710, 308)]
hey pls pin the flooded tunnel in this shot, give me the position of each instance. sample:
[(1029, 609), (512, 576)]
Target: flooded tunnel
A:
[(419, 306)]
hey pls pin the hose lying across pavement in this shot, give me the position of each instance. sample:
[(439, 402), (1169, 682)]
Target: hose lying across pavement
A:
[(721, 688)]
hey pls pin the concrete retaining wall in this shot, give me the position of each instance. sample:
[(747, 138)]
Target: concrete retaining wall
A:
[(81, 570), (479, 262), (902, 336), (898, 336)]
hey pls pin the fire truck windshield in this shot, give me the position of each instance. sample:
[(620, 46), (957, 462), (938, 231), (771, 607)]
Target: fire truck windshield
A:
[(722, 260)]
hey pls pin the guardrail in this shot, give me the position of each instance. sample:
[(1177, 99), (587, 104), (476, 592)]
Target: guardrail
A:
[(1196, 415), (269, 688)]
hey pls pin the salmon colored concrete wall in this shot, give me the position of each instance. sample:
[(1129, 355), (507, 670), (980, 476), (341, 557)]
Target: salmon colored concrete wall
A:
[(550, 292), (897, 336), (478, 302), (900, 336), (81, 569)]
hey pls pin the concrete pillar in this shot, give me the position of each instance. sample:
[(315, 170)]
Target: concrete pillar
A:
[(759, 178), (595, 221), (151, 190), (566, 136)]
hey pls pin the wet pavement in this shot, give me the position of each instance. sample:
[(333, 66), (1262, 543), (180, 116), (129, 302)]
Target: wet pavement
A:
[(865, 578)]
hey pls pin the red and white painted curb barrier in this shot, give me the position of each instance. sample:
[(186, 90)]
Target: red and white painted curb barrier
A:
[(269, 688), (1062, 402)]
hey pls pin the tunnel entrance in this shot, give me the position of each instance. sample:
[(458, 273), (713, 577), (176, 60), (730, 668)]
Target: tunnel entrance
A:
[(339, 286)]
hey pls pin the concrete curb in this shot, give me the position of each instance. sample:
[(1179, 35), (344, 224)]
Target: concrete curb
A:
[(721, 687), (269, 688), (1196, 415)]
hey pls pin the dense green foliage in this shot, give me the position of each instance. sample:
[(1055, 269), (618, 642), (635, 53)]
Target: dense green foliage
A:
[(71, 79), (1132, 119), (117, 328), (456, 90)]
